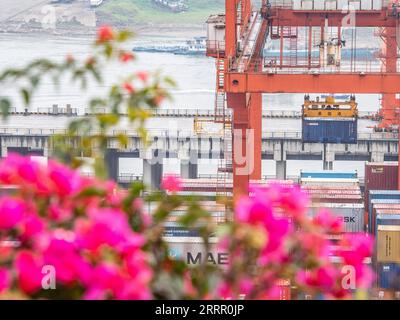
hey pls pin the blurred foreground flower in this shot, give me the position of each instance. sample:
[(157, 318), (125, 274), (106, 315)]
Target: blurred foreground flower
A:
[(171, 183)]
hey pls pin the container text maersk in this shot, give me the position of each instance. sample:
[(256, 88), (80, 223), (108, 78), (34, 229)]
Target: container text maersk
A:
[(220, 258)]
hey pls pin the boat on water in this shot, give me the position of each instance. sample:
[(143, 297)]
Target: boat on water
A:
[(195, 46), (95, 3)]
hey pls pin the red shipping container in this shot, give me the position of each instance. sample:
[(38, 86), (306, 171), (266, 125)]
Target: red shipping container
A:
[(380, 176)]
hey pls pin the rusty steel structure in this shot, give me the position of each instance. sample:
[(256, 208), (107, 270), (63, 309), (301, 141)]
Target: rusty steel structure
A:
[(245, 70)]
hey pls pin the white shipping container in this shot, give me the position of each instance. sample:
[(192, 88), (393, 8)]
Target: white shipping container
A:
[(351, 214), (192, 251)]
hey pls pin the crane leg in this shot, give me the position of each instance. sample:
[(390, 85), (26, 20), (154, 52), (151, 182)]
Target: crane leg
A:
[(241, 147), (255, 123)]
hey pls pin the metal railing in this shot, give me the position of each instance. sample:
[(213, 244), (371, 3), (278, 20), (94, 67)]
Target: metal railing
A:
[(359, 66), (214, 47), (128, 177), (384, 136), (205, 113)]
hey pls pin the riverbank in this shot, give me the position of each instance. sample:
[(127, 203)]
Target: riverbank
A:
[(167, 30)]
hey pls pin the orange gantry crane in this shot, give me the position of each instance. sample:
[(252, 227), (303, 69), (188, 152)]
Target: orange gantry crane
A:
[(309, 36)]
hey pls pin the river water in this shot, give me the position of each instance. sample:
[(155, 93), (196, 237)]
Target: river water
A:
[(195, 78)]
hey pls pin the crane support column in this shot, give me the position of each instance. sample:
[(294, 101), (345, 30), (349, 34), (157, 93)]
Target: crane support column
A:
[(230, 27), (255, 123), (242, 159), (390, 61)]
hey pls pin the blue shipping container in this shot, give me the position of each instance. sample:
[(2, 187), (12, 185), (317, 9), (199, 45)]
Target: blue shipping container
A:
[(380, 195), (389, 276), (329, 175), (378, 201), (387, 220), (327, 130)]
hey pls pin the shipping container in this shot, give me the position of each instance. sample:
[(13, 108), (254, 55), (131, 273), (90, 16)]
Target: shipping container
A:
[(329, 182), (176, 231), (333, 189), (329, 130), (386, 294), (336, 198), (329, 175), (380, 176), (380, 196), (192, 251), (352, 215), (388, 239), (388, 276), (377, 212), (356, 191)]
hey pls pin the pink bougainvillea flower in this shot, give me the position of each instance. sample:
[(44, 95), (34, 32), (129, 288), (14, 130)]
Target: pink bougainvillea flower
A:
[(171, 183), (16, 169), (12, 212), (105, 34), (225, 291), (329, 222), (31, 226), (315, 243), (294, 201), (59, 213), (126, 56), (29, 270), (323, 278), (274, 251), (106, 227), (64, 180), (143, 76), (69, 58), (253, 211), (158, 99), (67, 261), (4, 279), (355, 248), (106, 280), (129, 87)]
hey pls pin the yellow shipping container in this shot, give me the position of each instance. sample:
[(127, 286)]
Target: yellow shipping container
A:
[(388, 244)]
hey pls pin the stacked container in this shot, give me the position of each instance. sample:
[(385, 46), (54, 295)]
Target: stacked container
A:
[(173, 227), (328, 120), (380, 197), (339, 192), (388, 251), (380, 176), (335, 130)]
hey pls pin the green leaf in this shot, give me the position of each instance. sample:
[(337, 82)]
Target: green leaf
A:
[(26, 96), (108, 119), (123, 140), (5, 105), (34, 81), (169, 81), (91, 192), (124, 35)]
